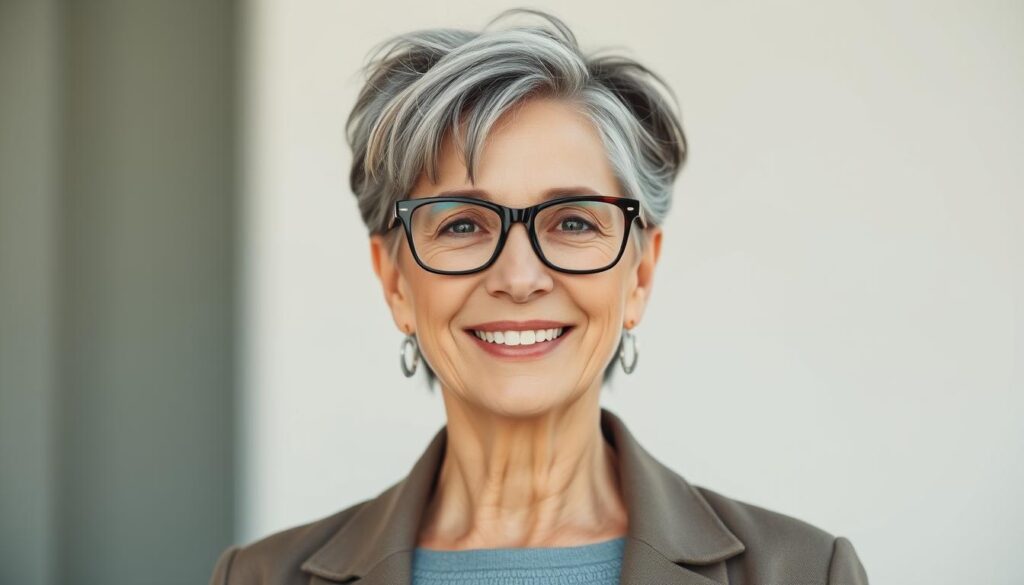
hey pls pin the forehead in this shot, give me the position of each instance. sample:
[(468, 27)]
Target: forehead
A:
[(540, 149)]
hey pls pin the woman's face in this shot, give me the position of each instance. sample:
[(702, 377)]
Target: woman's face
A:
[(544, 144)]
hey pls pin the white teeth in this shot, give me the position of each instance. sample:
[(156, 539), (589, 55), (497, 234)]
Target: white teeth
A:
[(527, 337)]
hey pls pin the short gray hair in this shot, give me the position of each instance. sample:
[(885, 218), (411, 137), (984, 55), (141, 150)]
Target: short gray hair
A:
[(425, 85)]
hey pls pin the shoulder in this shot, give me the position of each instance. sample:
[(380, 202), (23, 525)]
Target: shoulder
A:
[(759, 527), (276, 558), (780, 548)]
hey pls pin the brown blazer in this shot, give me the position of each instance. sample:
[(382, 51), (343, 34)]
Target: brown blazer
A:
[(678, 534)]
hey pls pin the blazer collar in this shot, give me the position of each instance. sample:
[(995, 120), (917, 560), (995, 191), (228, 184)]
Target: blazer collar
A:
[(670, 524)]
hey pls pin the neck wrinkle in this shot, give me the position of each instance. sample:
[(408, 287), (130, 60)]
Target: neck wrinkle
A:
[(539, 482)]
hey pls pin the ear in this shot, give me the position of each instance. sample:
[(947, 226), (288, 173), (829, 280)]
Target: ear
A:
[(393, 283), (643, 278)]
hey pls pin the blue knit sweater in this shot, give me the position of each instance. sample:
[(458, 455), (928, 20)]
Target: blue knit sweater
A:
[(599, 563)]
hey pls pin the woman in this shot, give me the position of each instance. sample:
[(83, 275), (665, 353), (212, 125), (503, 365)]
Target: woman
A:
[(513, 188)]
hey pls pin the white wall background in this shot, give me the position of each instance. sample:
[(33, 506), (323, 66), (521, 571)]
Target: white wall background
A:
[(844, 260)]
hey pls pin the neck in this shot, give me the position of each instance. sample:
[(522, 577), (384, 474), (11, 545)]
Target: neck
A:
[(542, 480)]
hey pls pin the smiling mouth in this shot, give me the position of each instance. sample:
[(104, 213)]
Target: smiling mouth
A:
[(519, 338)]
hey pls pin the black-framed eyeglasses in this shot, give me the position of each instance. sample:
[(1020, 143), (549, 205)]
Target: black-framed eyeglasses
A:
[(577, 234)]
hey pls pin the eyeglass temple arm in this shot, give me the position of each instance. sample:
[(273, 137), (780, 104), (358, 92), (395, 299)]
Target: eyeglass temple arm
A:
[(643, 220)]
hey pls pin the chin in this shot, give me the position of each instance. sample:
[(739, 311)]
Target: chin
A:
[(521, 399)]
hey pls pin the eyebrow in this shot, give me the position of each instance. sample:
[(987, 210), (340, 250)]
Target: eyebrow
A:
[(546, 195)]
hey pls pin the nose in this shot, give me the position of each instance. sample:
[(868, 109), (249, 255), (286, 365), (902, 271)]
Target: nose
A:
[(517, 272)]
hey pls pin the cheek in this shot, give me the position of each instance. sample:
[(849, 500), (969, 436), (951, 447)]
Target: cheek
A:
[(435, 298), (437, 301), (601, 302)]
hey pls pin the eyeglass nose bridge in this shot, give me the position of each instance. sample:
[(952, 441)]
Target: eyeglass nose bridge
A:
[(523, 215)]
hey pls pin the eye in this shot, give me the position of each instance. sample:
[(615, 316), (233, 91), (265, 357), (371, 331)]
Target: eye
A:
[(461, 226), (575, 224)]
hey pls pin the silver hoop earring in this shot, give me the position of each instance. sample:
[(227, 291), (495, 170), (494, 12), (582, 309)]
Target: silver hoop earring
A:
[(629, 338), (409, 341)]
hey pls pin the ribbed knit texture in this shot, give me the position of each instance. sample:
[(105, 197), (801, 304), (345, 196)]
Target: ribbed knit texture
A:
[(599, 563)]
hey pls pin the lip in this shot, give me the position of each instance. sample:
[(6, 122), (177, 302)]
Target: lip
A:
[(532, 324), (521, 352)]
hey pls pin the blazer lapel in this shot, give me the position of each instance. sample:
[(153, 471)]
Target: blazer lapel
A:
[(674, 536)]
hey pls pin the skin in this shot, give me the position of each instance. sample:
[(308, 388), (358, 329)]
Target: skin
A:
[(526, 464)]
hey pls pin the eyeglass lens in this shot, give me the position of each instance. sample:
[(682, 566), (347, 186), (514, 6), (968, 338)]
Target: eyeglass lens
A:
[(575, 235)]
